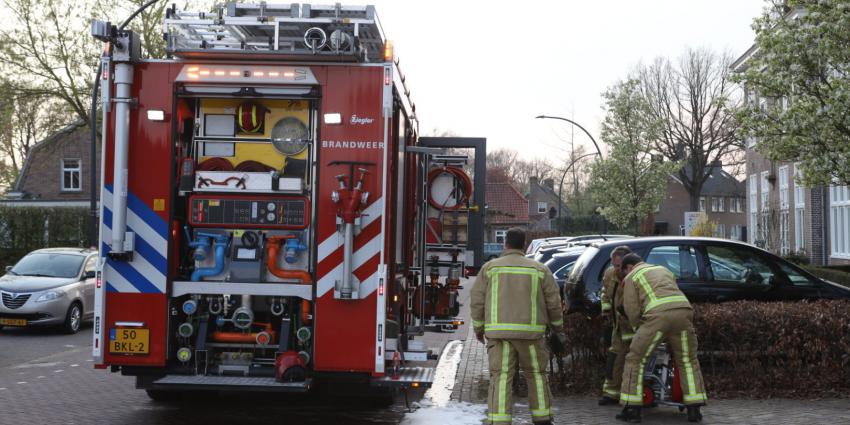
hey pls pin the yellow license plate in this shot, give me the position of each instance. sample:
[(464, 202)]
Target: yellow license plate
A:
[(129, 341), (13, 322)]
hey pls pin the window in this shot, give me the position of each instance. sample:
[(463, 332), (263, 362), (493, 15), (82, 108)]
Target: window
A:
[(799, 209), (735, 232), (799, 189), (714, 204), (765, 191), (738, 266), (783, 187), (740, 205), (542, 207), (784, 248), (796, 278), (499, 236), (839, 216), (753, 194), (799, 222), (681, 260), (720, 230), (71, 175), (702, 203)]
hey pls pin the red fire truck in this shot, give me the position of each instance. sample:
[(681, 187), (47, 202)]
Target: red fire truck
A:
[(270, 217)]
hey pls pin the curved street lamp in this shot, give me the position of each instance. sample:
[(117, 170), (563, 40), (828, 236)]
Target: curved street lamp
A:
[(599, 151)]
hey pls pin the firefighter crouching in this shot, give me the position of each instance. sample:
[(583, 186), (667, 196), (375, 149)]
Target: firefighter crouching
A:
[(512, 301), (656, 307), (621, 332)]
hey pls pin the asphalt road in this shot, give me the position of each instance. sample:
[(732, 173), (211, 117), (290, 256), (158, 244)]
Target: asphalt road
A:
[(48, 378)]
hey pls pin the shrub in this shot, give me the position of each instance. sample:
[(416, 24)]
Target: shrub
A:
[(23, 229), (798, 257), (746, 348), (830, 274)]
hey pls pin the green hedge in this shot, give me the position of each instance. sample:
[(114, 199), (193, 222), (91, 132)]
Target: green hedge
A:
[(746, 349), (23, 229), (830, 274)]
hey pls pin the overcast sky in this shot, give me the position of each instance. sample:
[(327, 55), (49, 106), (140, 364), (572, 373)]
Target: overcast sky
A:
[(484, 68)]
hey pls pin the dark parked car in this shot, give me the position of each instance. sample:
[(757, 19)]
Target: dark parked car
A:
[(706, 269), (562, 263), (545, 252)]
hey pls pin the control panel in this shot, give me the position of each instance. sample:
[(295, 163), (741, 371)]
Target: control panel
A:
[(241, 211)]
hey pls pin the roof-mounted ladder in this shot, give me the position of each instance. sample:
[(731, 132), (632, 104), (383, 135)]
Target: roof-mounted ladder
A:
[(277, 31)]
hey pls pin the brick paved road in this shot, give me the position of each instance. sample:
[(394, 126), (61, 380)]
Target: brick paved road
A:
[(473, 378), (47, 378)]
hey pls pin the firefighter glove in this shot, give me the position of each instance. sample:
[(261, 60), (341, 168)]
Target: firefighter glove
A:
[(479, 335)]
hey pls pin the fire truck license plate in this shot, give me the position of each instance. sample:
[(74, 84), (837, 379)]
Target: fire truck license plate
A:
[(129, 341), (13, 322)]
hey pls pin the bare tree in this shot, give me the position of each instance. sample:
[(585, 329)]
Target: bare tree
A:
[(692, 99)]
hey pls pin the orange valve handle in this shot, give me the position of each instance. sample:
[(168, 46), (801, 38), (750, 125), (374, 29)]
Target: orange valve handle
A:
[(274, 243)]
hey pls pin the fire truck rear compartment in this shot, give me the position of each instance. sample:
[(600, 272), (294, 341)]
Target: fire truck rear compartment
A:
[(240, 309)]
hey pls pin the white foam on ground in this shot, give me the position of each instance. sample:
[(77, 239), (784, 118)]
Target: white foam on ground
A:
[(436, 407)]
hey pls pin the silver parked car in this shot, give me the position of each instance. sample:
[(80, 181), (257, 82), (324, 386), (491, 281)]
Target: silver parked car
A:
[(49, 287)]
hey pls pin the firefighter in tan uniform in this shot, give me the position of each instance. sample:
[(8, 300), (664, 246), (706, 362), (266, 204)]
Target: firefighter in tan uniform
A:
[(656, 307), (621, 332), (513, 300)]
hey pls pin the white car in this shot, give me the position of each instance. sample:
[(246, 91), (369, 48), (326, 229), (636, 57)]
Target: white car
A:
[(49, 287)]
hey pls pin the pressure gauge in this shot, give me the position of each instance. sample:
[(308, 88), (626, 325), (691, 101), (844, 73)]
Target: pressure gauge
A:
[(289, 136), (270, 217), (271, 206)]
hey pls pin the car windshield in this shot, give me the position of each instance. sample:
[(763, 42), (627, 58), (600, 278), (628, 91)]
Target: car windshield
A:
[(564, 271), (49, 265), (582, 262)]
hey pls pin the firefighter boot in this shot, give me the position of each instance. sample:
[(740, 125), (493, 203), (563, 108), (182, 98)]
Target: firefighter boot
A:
[(630, 414), (693, 414), (607, 401)]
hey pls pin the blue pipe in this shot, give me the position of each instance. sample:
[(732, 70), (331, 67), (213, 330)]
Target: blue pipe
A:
[(219, 246), (293, 248)]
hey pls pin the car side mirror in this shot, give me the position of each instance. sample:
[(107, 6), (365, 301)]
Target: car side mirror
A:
[(90, 274), (8, 269)]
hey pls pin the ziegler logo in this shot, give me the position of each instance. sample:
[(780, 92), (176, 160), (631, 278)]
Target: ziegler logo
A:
[(361, 120)]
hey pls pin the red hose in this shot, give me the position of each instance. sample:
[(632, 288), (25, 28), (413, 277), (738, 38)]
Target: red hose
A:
[(253, 166), (215, 164), (459, 175)]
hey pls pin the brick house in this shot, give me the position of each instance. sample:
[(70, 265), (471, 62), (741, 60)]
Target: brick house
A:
[(784, 216), (722, 200), (56, 171), (505, 208), (543, 203)]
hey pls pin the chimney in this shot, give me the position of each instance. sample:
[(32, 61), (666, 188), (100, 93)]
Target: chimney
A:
[(533, 180), (550, 183)]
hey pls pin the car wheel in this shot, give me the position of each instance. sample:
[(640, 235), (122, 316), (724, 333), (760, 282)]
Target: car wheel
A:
[(164, 395), (73, 319)]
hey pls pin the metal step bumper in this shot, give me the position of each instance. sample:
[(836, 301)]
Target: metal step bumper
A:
[(226, 383), (408, 377)]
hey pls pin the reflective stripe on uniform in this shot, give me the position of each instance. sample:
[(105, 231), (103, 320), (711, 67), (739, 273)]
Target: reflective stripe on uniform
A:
[(665, 300), (494, 299), (477, 323), (654, 301), (503, 377), (627, 336), (535, 275), (606, 307), (514, 327), (499, 418), (608, 390), (541, 413), (691, 395), (631, 398), (559, 322), (538, 380)]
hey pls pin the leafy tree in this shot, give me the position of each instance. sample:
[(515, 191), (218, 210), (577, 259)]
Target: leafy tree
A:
[(803, 68), (629, 184), (691, 99)]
